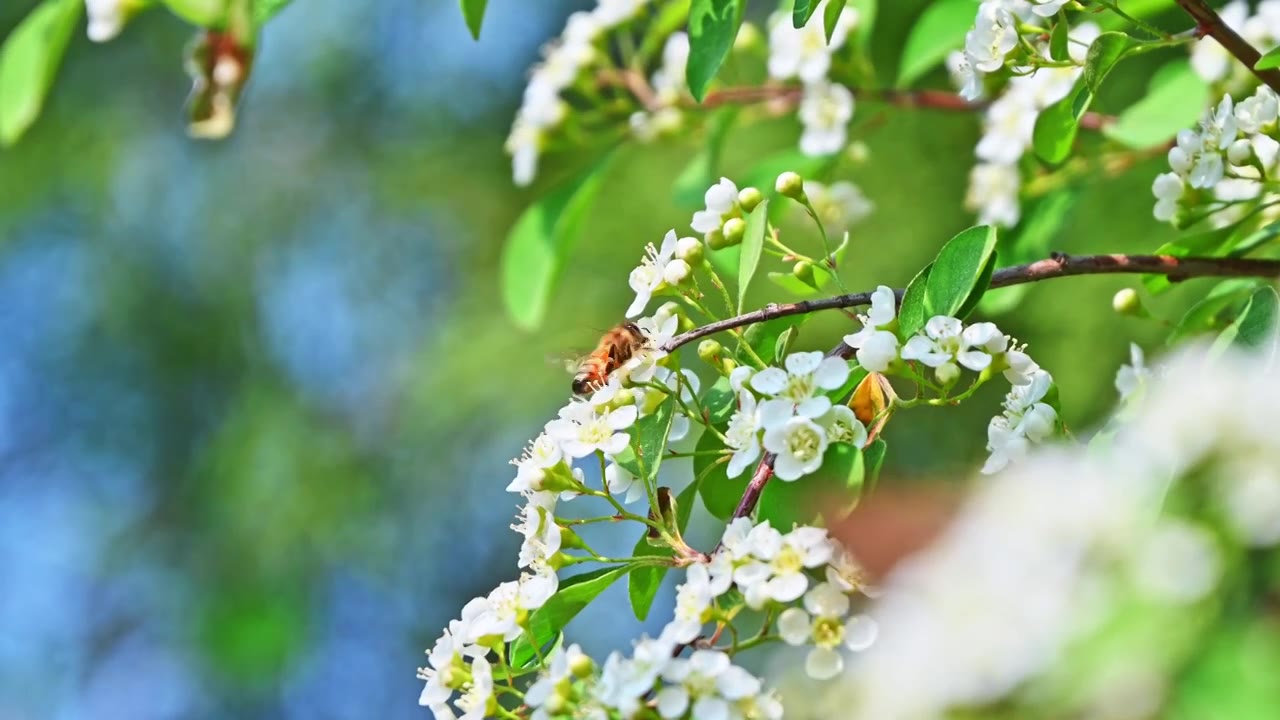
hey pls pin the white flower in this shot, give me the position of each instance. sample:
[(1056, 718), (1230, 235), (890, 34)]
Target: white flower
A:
[(1025, 420), (1199, 155), (478, 692), (842, 425), (947, 342), (611, 13), (537, 524), (824, 626), (668, 82), (583, 428), (623, 681), (450, 650), (523, 145), (561, 64), (721, 200), (619, 480), (499, 613), (581, 28), (542, 454), (743, 434), (1132, 378), (774, 567), (793, 391), (963, 76), (1047, 8), (689, 385), (1251, 497), (106, 18), (993, 194), (1258, 111), (658, 330), (1168, 191), (650, 275), (799, 444), (838, 205), (804, 52), (1179, 562), (825, 112), (559, 671), (993, 35), (1007, 129), (708, 683), (693, 601), (876, 346)]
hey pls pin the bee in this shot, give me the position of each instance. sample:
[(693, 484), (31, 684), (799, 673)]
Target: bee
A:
[(614, 349)]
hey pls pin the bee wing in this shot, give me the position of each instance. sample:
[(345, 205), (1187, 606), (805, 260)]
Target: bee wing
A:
[(570, 361)]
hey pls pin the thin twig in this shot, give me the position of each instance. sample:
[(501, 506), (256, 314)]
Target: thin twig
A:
[(1058, 265), (1208, 22)]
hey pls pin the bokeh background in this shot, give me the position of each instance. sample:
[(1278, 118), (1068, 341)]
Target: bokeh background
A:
[(257, 397)]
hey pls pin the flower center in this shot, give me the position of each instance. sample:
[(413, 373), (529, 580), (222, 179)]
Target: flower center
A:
[(788, 561), (840, 432), (741, 429), (803, 443), (828, 632), (799, 388), (700, 685), (596, 432)]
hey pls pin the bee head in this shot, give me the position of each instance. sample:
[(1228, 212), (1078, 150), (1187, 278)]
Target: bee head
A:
[(581, 385)]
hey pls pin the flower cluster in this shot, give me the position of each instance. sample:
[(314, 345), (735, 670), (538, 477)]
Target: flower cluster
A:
[(1026, 419), (994, 36), (804, 54), (787, 412), (543, 108), (1008, 123), (1231, 154)]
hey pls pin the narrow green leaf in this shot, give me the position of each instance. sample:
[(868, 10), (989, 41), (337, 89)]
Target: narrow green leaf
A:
[(763, 337), (1174, 100), (1058, 40), (574, 594), (1269, 61), (955, 282), (1106, 50), (783, 345), (648, 442), (713, 25), (873, 456), (752, 247), (263, 10), (644, 581), (911, 315), (539, 243), (1215, 310), (1031, 240), (1056, 127), (1241, 244), (939, 30), (719, 492), (1256, 328), (801, 11), (866, 18), (473, 13), (29, 61)]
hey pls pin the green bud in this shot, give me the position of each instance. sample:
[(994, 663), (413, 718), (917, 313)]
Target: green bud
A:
[(1127, 302), (559, 478), (734, 229), (715, 240), (749, 198), (581, 666), (689, 249), (749, 38), (709, 351), (803, 270), (857, 152), (569, 539), (791, 185), (556, 704)]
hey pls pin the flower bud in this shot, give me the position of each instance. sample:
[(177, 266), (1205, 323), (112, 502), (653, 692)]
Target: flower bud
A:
[(734, 229), (749, 198), (689, 249), (556, 704), (1127, 302), (749, 37), (676, 272), (1239, 152), (709, 351), (559, 478), (668, 309), (450, 677), (857, 152), (581, 666), (791, 185), (715, 240), (803, 270)]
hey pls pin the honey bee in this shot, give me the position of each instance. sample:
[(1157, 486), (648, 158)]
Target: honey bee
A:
[(615, 348)]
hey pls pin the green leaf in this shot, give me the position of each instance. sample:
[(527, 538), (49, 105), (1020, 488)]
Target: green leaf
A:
[(263, 10), (473, 13), (857, 374), (1214, 310), (1056, 127), (866, 18), (1256, 326), (1106, 50), (956, 280), (911, 315), (29, 61), (539, 244), (801, 11), (1268, 61), (785, 504), (1173, 101), (719, 401), (713, 25), (1031, 240), (1058, 40), (645, 580), (213, 13), (574, 594), (938, 31), (873, 457), (648, 442), (1254, 240), (752, 246)]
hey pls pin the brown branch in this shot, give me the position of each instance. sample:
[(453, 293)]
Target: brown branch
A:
[(755, 488), (1208, 22), (1059, 265)]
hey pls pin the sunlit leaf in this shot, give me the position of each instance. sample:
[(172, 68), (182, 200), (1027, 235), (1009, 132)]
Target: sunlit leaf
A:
[(29, 61), (752, 247), (473, 13), (939, 30), (956, 282), (713, 25), (574, 594), (1174, 100)]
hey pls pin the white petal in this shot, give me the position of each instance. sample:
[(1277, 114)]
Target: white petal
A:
[(814, 407), (770, 381), (672, 702), (975, 360), (736, 683), (823, 663), (803, 363), (832, 373), (940, 326), (786, 588), (711, 708), (742, 459), (860, 632), (774, 413), (623, 417), (793, 626), (615, 444)]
